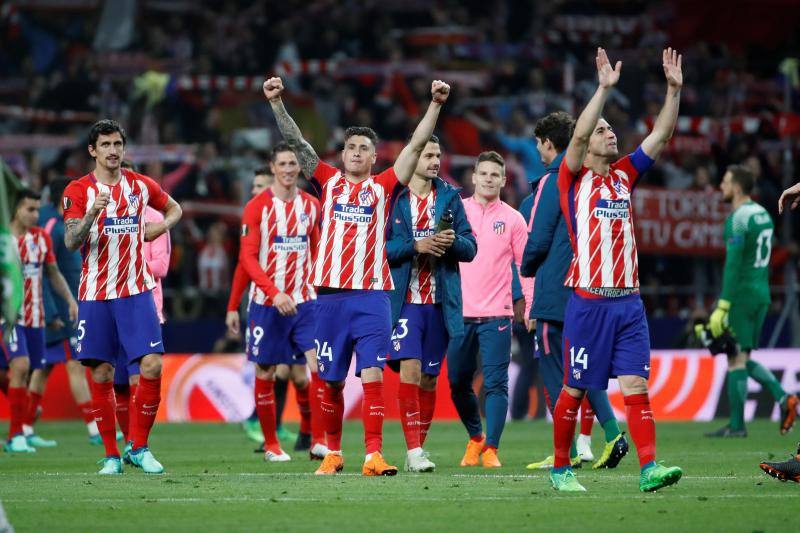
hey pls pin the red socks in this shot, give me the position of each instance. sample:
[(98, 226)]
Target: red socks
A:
[(103, 406), (123, 397), (305, 408), (372, 416), (17, 403), (427, 405), (565, 416), (587, 417), (332, 407), (642, 426), (34, 401), (86, 412), (409, 400), (315, 400), (131, 408), (147, 400), (265, 409)]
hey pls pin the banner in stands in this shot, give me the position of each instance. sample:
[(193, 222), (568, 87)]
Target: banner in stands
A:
[(684, 385), (679, 222)]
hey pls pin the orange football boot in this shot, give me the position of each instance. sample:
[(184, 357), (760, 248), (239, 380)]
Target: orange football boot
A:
[(332, 463), (789, 414), (489, 458), (377, 466), (473, 453)]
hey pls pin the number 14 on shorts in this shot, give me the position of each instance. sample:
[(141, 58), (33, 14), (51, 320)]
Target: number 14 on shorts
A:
[(576, 358)]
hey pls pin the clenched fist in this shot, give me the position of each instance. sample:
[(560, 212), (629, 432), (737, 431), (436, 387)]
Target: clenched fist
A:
[(273, 88), (439, 91)]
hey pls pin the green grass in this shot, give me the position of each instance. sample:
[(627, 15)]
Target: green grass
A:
[(214, 482)]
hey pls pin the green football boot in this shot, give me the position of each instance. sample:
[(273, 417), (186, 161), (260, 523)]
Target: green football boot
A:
[(658, 476), (144, 459), (613, 453), (566, 481), (38, 442), (18, 444), (111, 466), (252, 428)]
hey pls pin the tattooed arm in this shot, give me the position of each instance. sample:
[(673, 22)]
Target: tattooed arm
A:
[(306, 155), (76, 230)]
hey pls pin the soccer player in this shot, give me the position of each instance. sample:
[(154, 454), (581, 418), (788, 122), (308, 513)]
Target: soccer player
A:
[(605, 325), (25, 349), (501, 234), (104, 212), (547, 257), (351, 271), (788, 470), (280, 231), (60, 334), (745, 298), (429, 235)]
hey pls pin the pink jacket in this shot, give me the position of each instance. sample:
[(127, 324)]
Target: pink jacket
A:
[(156, 253), (501, 233)]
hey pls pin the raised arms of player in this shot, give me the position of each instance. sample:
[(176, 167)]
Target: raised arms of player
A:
[(308, 158), (607, 77), (60, 287), (653, 144), (407, 160), (172, 214), (791, 196)]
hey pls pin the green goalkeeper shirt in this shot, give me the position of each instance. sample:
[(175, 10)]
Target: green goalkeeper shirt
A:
[(748, 239)]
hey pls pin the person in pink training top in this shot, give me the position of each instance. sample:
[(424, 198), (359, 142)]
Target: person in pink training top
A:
[(501, 233), (156, 253)]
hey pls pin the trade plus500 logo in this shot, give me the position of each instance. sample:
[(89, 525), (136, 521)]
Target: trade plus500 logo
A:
[(121, 225), (359, 214), (612, 209), (289, 244)]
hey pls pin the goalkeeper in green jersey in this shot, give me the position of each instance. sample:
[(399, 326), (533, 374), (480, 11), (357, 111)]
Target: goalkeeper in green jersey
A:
[(743, 304)]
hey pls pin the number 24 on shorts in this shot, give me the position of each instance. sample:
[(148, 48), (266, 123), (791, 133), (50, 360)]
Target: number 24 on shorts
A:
[(579, 358), (324, 350)]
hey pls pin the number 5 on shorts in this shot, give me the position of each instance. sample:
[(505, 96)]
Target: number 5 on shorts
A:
[(81, 329), (580, 358)]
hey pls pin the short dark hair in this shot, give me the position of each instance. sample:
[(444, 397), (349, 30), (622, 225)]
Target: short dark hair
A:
[(492, 156), (106, 127), (556, 127), (26, 194), (432, 139), (364, 131), (743, 176), (57, 187), (282, 146), (262, 171)]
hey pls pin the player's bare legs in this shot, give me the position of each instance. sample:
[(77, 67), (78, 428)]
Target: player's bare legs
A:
[(410, 400), (36, 387), (18, 402), (265, 408)]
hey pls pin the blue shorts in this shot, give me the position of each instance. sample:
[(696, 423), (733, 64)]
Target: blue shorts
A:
[(122, 329), (605, 338), (61, 351), (274, 339), (25, 342), (420, 334), (357, 321), (123, 370)]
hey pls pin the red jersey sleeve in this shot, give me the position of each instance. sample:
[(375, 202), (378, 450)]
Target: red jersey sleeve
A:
[(324, 172), (74, 201), (158, 197), (566, 176), (250, 244), (49, 256), (238, 286), (387, 179)]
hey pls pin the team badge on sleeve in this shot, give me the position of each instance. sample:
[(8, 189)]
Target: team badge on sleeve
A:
[(244, 230), (66, 202), (499, 227)]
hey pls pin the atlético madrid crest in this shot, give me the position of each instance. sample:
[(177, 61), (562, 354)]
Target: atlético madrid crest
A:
[(499, 227), (133, 200), (365, 197)]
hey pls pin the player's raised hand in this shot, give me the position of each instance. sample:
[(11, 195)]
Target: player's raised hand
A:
[(100, 203), (672, 68), (439, 91), (792, 194), (273, 88), (232, 322), (284, 304), (607, 76)]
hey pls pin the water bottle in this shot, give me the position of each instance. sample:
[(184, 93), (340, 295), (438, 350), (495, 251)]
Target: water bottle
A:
[(446, 222)]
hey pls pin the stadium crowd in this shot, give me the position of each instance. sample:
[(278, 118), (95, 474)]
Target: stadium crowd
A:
[(185, 79)]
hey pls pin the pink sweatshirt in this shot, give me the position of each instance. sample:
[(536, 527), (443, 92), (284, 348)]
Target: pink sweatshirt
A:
[(156, 253), (501, 233)]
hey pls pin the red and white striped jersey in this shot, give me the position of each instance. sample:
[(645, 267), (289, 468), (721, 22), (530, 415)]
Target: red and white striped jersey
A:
[(422, 287), (599, 218), (278, 238), (35, 251), (352, 248), (113, 257), (212, 268)]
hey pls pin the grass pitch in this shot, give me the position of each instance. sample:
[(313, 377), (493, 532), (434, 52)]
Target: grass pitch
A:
[(215, 482)]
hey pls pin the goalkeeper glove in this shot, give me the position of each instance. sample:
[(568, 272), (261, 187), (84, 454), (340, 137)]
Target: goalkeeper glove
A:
[(719, 318)]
